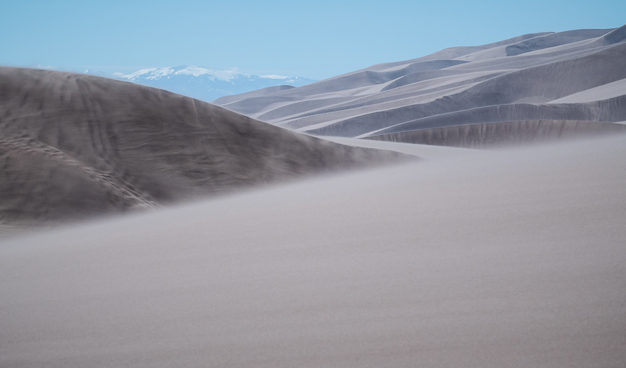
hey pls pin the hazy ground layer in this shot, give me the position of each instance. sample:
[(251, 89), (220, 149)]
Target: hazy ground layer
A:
[(505, 259), (73, 145), (574, 75)]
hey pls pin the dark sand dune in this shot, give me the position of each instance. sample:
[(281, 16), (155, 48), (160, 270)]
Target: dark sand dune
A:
[(506, 259), (72, 145), (530, 69)]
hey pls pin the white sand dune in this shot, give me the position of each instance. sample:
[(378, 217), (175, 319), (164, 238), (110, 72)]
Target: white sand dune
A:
[(537, 68), (256, 93), (512, 259), (423, 151), (603, 92), (554, 39), (549, 81)]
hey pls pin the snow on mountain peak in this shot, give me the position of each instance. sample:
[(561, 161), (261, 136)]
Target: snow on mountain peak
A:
[(223, 74), (274, 76), (196, 71), (152, 73), (203, 83)]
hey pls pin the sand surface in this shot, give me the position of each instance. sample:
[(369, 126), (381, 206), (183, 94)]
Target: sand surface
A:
[(502, 134), (74, 145), (423, 151), (606, 91), (562, 76), (515, 259)]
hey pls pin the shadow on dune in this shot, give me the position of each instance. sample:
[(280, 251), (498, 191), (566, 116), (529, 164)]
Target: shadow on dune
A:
[(72, 145)]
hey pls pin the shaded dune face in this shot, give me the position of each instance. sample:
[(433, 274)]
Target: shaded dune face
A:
[(527, 78), (613, 109), (72, 144), (488, 135)]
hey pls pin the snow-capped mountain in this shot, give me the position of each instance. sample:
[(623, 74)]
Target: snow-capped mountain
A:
[(204, 83)]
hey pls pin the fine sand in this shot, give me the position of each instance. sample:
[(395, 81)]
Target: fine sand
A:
[(503, 134), (574, 75), (75, 145), (503, 259), (423, 151)]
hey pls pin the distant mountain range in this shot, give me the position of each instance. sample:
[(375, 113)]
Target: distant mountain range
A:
[(203, 83)]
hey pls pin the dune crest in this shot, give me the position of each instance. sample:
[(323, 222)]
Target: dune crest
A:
[(535, 69), (73, 145)]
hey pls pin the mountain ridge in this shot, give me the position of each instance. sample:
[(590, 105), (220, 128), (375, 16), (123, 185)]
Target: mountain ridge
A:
[(202, 83)]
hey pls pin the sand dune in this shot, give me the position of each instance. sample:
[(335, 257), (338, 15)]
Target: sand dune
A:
[(393, 97), (459, 51), (611, 110), (615, 36), (531, 69), (398, 119), (489, 135), (257, 93), (554, 39), (73, 145), (426, 152), (465, 258), (602, 92), (512, 259)]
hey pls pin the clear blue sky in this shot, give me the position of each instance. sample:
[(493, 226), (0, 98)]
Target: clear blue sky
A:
[(315, 39)]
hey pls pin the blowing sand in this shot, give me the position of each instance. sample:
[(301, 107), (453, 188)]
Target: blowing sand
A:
[(515, 259)]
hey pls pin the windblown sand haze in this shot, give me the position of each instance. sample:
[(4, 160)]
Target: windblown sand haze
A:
[(509, 259), (510, 255)]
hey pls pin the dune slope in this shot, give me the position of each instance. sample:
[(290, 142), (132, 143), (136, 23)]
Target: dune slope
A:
[(490, 135), (534, 69), (72, 145), (506, 259)]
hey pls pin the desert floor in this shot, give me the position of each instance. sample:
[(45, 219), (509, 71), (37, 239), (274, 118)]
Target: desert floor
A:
[(509, 258)]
